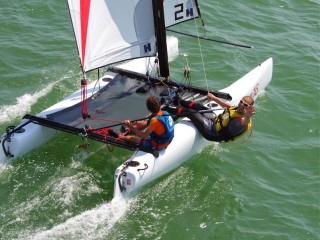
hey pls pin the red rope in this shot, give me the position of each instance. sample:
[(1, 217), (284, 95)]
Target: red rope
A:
[(105, 133), (84, 102), (105, 119)]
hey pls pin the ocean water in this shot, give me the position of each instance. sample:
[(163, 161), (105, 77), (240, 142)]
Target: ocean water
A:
[(267, 188)]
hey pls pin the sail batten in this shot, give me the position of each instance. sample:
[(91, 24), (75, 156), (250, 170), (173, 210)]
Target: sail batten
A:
[(108, 31)]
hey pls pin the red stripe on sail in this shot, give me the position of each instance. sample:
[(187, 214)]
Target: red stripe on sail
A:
[(84, 18)]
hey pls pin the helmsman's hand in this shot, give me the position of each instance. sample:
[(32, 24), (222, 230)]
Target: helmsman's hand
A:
[(249, 111)]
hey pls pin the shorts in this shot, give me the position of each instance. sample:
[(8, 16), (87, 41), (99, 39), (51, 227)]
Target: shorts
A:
[(147, 144)]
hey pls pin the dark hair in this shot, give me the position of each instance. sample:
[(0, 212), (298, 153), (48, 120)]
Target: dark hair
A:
[(153, 104)]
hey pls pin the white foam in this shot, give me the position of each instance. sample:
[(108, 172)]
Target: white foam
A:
[(5, 164), (23, 104), (67, 189), (91, 224), (173, 47)]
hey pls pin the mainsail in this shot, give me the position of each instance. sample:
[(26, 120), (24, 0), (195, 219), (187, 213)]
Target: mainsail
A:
[(109, 31)]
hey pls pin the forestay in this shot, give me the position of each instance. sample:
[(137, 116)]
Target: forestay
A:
[(109, 31)]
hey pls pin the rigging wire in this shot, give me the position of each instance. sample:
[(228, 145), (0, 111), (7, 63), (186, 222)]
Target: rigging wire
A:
[(210, 39), (186, 70), (97, 82), (257, 56), (200, 49)]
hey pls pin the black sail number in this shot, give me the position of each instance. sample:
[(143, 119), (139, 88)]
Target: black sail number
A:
[(182, 12), (178, 14)]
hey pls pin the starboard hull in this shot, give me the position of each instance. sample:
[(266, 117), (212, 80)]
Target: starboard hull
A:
[(187, 140)]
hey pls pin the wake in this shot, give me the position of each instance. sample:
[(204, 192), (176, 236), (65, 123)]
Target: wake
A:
[(92, 224), (23, 104)]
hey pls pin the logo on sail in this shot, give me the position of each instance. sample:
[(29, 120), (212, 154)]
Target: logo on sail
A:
[(189, 12), (147, 48)]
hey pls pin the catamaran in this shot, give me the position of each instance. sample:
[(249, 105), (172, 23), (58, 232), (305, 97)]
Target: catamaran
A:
[(108, 33)]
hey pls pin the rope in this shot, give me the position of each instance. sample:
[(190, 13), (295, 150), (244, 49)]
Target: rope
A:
[(200, 48), (105, 133), (105, 119), (152, 67), (97, 81), (84, 103), (186, 71)]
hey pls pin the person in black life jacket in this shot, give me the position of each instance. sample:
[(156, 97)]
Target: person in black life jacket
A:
[(227, 126), (156, 132)]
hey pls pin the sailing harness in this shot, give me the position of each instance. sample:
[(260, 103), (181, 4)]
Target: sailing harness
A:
[(222, 121)]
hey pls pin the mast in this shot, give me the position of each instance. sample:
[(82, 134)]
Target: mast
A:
[(160, 30)]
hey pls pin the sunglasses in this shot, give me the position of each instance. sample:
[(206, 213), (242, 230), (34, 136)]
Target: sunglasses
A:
[(244, 103)]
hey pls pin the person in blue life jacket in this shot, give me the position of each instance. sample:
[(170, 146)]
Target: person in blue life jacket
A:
[(234, 122), (156, 132)]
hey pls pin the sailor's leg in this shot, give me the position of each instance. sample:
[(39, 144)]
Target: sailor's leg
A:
[(178, 111), (131, 138), (198, 107), (146, 143), (200, 123), (192, 105), (204, 125)]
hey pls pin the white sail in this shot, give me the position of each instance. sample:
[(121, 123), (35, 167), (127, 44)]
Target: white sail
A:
[(109, 31)]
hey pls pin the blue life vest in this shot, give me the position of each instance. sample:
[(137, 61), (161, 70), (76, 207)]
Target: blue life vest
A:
[(163, 140)]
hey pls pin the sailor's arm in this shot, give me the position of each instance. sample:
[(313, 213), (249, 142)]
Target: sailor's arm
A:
[(219, 101), (138, 133), (140, 125), (141, 134)]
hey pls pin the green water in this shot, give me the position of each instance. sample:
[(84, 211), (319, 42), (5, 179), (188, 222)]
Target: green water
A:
[(267, 188)]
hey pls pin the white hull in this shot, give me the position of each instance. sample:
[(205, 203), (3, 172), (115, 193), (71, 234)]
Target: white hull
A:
[(186, 143), (187, 140)]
